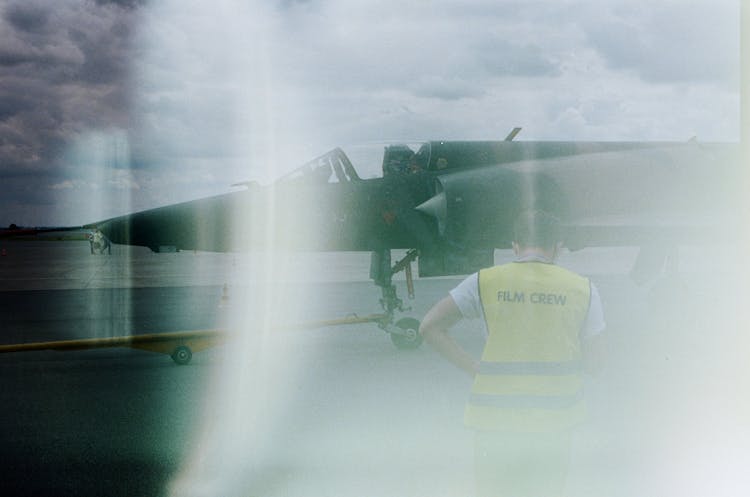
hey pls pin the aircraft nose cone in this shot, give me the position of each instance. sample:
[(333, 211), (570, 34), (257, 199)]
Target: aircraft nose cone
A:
[(437, 207)]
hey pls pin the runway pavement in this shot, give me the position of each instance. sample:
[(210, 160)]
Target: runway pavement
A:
[(335, 411)]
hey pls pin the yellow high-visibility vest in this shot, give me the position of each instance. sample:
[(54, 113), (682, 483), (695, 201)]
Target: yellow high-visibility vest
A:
[(529, 379)]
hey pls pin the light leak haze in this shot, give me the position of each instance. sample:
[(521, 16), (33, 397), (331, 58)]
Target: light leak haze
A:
[(109, 107)]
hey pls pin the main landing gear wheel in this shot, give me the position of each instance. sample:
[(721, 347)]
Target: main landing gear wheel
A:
[(182, 355), (409, 337)]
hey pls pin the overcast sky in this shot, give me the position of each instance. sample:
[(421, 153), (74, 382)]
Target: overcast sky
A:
[(112, 106)]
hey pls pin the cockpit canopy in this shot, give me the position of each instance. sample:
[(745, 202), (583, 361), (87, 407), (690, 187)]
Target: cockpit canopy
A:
[(379, 160), (372, 161), (332, 167)]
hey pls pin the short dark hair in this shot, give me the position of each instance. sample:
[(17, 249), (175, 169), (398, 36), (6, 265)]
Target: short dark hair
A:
[(535, 228)]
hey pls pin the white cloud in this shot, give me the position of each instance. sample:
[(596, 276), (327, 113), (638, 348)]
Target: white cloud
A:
[(69, 184), (123, 180)]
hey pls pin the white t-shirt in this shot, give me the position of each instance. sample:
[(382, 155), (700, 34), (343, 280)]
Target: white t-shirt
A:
[(466, 297)]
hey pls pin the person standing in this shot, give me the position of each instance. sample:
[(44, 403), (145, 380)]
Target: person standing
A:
[(544, 327)]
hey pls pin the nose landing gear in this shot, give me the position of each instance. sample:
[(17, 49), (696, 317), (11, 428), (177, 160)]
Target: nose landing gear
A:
[(405, 332), (407, 336)]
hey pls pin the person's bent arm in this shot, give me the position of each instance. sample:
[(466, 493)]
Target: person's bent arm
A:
[(434, 329)]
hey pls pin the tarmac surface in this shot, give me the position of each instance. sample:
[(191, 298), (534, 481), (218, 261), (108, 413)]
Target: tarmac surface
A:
[(338, 410)]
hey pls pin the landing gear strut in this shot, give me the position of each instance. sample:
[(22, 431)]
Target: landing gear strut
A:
[(408, 336), (405, 332)]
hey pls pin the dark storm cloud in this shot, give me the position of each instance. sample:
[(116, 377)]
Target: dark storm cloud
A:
[(105, 55), (63, 72), (63, 68), (127, 4), (24, 17), (29, 117), (11, 105)]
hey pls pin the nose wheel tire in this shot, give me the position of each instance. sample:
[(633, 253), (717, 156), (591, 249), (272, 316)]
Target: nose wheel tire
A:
[(409, 337), (182, 355)]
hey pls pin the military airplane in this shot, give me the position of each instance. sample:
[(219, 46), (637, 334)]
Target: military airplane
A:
[(450, 204)]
